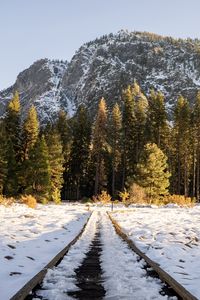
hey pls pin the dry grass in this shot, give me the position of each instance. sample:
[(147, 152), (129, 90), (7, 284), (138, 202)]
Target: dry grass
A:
[(179, 200), (6, 201), (104, 197), (29, 200), (137, 194)]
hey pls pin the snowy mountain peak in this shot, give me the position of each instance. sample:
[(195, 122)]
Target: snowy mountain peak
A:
[(40, 85), (103, 67), (106, 65)]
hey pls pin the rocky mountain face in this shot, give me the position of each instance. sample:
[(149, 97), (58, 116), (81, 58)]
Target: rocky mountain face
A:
[(41, 85), (103, 67)]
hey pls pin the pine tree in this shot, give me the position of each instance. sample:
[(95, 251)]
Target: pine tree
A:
[(56, 162), (196, 147), (38, 170), (152, 172), (64, 130), (30, 131), (100, 146), (12, 124), (116, 143), (11, 183), (129, 131), (182, 149), (13, 135), (158, 129), (140, 112), (80, 150), (3, 158)]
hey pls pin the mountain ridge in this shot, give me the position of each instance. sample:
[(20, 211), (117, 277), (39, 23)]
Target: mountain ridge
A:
[(103, 67)]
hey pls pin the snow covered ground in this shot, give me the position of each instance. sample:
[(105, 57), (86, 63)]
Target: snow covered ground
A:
[(61, 279), (169, 236), (30, 238), (123, 276)]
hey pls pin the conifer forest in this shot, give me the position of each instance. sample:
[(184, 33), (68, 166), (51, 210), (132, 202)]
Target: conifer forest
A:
[(137, 143)]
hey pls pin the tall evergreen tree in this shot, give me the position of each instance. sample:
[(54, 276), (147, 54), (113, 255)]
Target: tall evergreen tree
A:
[(115, 137), (80, 150), (13, 135), (157, 120), (140, 111), (56, 162), (12, 124), (195, 142), (129, 131), (64, 130), (3, 158), (11, 183), (152, 172), (100, 146), (30, 131), (182, 149), (38, 170)]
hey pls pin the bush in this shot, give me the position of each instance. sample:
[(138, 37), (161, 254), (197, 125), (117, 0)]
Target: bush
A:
[(41, 199), (104, 197), (136, 194), (56, 196), (178, 199), (29, 200), (157, 201), (6, 201), (124, 196)]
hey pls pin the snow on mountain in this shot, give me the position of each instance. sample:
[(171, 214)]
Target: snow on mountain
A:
[(103, 67), (40, 85)]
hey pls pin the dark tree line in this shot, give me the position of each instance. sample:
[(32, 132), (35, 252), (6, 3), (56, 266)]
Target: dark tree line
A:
[(80, 157)]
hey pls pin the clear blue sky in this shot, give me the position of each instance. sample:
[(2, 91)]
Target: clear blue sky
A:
[(34, 29)]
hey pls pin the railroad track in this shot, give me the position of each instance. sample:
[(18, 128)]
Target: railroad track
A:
[(164, 276), (38, 278), (89, 279)]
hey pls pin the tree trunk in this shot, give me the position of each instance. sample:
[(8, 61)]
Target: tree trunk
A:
[(197, 186), (124, 161), (179, 176), (158, 141), (179, 168), (194, 173), (96, 186), (185, 177), (78, 189), (123, 171), (113, 181)]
